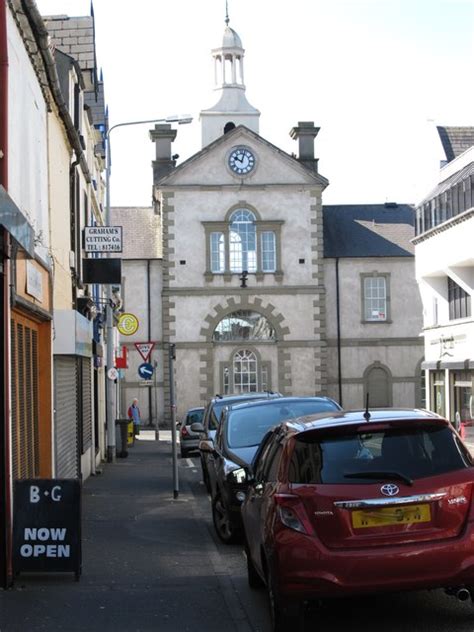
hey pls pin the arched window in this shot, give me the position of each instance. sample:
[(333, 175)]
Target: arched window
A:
[(245, 371), (229, 127), (243, 241), (243, 325)]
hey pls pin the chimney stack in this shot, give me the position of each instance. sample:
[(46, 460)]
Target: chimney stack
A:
[(305, 133), (163, 135)]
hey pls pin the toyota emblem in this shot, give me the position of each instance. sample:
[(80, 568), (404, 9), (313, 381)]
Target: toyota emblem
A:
[(389, 489)]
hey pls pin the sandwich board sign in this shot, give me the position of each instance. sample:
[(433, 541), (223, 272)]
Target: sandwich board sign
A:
[(47, 526), (144, 349)]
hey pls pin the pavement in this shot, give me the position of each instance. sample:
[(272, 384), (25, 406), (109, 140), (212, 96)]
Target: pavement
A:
[(148, 560)]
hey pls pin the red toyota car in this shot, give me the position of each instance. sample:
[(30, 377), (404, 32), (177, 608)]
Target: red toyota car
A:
[(355, 503)]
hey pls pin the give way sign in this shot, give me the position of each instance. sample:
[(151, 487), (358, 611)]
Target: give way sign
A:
[(144, 349)]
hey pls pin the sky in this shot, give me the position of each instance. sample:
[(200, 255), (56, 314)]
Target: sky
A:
[(376, 76)]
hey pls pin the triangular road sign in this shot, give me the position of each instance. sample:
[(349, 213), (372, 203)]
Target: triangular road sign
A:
[(144, 349)]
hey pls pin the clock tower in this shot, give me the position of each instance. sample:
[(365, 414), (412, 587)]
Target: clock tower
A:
[(232, 108)]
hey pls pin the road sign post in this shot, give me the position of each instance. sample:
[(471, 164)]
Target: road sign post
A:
[(174, 447)]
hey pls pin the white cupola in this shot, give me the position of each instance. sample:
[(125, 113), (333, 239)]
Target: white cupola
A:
[(232, 108)]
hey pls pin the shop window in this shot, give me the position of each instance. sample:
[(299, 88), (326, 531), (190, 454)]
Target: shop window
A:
[(462, 402), (438, 393)]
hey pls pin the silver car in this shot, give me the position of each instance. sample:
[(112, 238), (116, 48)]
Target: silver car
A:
[(188, 439)]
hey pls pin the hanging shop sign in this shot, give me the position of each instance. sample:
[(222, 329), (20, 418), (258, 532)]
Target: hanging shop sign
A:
[(121, 361), (128, 324), (103, 239), (47, 526), (102, 271)]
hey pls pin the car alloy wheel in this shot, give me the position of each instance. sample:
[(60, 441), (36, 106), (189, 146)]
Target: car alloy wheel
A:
[(222, 522)]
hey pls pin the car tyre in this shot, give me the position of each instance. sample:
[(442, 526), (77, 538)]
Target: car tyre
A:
[(205, 478), (225, 530), (184, 453), (254, 579), (283, 616)]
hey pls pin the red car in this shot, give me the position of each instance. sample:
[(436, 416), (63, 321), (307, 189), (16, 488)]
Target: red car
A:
[(355, 503)]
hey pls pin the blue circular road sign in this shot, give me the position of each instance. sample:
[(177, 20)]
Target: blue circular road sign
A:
[(145, 371)]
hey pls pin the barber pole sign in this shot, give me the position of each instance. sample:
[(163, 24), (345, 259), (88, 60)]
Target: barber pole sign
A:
[(145, 349)]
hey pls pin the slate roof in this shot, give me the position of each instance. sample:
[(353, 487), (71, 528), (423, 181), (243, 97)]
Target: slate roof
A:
[(449, 183), (141, 232), (369, 230), (455, 140), (75, 36)]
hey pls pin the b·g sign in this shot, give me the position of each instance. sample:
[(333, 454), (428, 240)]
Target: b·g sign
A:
[(47, 526)]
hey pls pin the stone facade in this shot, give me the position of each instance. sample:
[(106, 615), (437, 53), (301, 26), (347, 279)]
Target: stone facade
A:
[(198, 198)]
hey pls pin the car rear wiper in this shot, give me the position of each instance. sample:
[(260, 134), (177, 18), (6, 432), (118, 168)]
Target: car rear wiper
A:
[(380, 474)]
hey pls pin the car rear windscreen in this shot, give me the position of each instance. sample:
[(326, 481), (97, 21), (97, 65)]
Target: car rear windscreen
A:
[(411, 453), (194, 416), (246, 427)]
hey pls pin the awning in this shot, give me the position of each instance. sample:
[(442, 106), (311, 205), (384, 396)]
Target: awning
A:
[(13, 220), (459, 365)]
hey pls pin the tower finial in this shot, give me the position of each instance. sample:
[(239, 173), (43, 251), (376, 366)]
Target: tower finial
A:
[(227, 12)]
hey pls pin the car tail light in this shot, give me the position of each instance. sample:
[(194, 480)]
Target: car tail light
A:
[(184, 431), (292, 514)]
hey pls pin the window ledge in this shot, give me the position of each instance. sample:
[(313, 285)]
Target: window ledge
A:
[(227, 276), (376, 322)]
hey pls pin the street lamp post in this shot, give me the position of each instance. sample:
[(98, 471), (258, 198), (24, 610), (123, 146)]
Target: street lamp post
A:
[(111, 392)]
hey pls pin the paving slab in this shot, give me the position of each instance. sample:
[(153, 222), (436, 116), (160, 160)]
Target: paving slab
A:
[(148, 561)]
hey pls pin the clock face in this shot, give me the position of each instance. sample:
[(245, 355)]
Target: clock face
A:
[(241, 160)]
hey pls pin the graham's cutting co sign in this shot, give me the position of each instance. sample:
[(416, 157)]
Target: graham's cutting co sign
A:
[(103, 239)]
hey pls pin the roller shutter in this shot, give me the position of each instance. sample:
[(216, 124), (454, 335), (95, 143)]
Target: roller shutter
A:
[(24, 397), (66, 426), (86, 403)]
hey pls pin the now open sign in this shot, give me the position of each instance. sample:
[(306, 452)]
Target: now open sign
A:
[(47, 526)]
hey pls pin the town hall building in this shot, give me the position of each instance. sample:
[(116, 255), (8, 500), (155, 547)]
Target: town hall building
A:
[(251, 266)]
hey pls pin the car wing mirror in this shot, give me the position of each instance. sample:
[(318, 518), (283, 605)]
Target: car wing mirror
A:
[(206, 445), (197, 427)]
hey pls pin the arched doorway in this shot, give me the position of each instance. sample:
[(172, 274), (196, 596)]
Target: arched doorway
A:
[(378, 385)]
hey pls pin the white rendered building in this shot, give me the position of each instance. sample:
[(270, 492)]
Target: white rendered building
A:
[(444, 255)]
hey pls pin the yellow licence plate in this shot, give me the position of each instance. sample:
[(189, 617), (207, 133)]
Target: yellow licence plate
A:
[(386, 516)]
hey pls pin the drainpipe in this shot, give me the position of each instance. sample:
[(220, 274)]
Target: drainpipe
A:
[(149, 330), (6, 571), (338, 324)]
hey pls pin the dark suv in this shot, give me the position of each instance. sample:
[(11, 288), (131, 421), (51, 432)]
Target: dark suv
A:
[(212, 414), (241, 429)]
